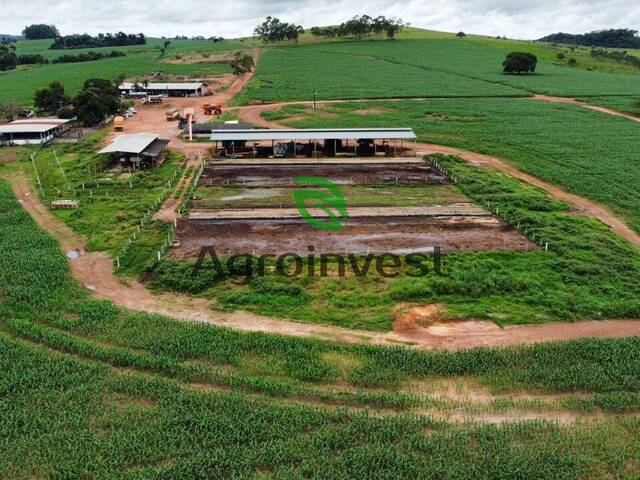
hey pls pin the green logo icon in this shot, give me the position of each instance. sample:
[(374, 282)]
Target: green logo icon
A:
[(331, 202)]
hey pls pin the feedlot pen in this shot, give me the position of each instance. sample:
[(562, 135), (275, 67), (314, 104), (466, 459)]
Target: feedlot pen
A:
[(247, 207)]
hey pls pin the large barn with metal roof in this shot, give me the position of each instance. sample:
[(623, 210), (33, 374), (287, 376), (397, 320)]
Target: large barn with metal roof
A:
[(32, 131)]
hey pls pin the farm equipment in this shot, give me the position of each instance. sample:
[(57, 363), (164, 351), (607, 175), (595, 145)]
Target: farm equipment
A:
[(118, 124), (210, 109), (152, 99), (172, 114)]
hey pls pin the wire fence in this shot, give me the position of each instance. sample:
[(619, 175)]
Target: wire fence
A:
[(521, 224)]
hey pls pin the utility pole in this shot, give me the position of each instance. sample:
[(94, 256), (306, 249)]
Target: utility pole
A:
[(315, 95)]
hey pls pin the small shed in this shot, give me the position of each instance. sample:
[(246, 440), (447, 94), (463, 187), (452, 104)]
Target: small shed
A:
[(137, 150)]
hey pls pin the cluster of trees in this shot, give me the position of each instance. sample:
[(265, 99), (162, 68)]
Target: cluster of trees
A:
[(8, 57), (361, 26), (616, 56), (39, 31), (520, 62), (88, 57), (10, 109), (214, 39), (242, 63), (31, 59), (97, 99), (273, 30), (612, 38), (84, 40)]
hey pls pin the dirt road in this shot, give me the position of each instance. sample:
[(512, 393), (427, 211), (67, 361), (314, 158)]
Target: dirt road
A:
[(94, 271), (252, 114), (573, 101)]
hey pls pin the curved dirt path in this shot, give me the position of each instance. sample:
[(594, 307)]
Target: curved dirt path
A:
[(94, 271), (573, 101), (252, 114)]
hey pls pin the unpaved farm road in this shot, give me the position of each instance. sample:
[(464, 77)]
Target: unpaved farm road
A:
[(252, 114), (94, 271)]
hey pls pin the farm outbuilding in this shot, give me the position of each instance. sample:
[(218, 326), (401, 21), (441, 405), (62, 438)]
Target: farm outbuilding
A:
[(137, 150), (33, 131), (312, 142), (171, 89)]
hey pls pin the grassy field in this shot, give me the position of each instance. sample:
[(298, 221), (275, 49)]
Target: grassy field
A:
[(112, 203), (22, 83), (588, 153), (294, 73), (89, 390), (587, 273), (433, 67)]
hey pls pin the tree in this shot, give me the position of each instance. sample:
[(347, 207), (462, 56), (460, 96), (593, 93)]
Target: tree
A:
[(40, 31), (273, 30), (10, 109), (242, 63), (8, 57), (50, 99), (97, 99), (520, 62), (461, 34), (166, 44)]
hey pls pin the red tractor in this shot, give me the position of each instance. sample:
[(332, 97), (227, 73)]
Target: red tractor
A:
[(210, 109)]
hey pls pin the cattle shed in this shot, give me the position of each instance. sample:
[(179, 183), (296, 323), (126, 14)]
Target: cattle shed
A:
[(312, 142), (170, 89), (137, 150), (33, 131)]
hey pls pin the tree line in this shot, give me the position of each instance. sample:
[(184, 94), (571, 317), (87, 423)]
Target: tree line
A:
[(362, 26), (85, 40), (612, 38)]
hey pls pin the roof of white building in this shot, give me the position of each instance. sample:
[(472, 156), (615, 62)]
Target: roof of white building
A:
[(130, 143), (32, 125), (163, 86)]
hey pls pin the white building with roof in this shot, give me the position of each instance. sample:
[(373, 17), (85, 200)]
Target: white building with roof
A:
[(169, 89), (33, 131)]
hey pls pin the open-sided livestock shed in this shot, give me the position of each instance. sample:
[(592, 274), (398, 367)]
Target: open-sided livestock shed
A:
[(33, 131), (313, 141), (136, 149), (170, 89)]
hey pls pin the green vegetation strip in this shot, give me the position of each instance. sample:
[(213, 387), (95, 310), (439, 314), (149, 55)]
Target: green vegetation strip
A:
[(73, 416)]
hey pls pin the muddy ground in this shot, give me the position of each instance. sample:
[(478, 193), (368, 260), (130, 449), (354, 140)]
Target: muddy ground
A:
[(399, 235), (343, 174)]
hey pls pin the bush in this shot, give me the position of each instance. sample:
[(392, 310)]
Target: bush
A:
[(520, 62)]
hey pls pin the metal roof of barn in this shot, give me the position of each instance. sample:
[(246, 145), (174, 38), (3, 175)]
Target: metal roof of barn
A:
[(35, 125), (155, 148), (163, 86), (314, 134), (130, 143)]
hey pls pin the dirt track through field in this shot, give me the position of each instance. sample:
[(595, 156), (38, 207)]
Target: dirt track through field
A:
[(252, 114)]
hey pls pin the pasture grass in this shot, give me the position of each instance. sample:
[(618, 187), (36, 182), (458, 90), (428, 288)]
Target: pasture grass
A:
[(112, 201)]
